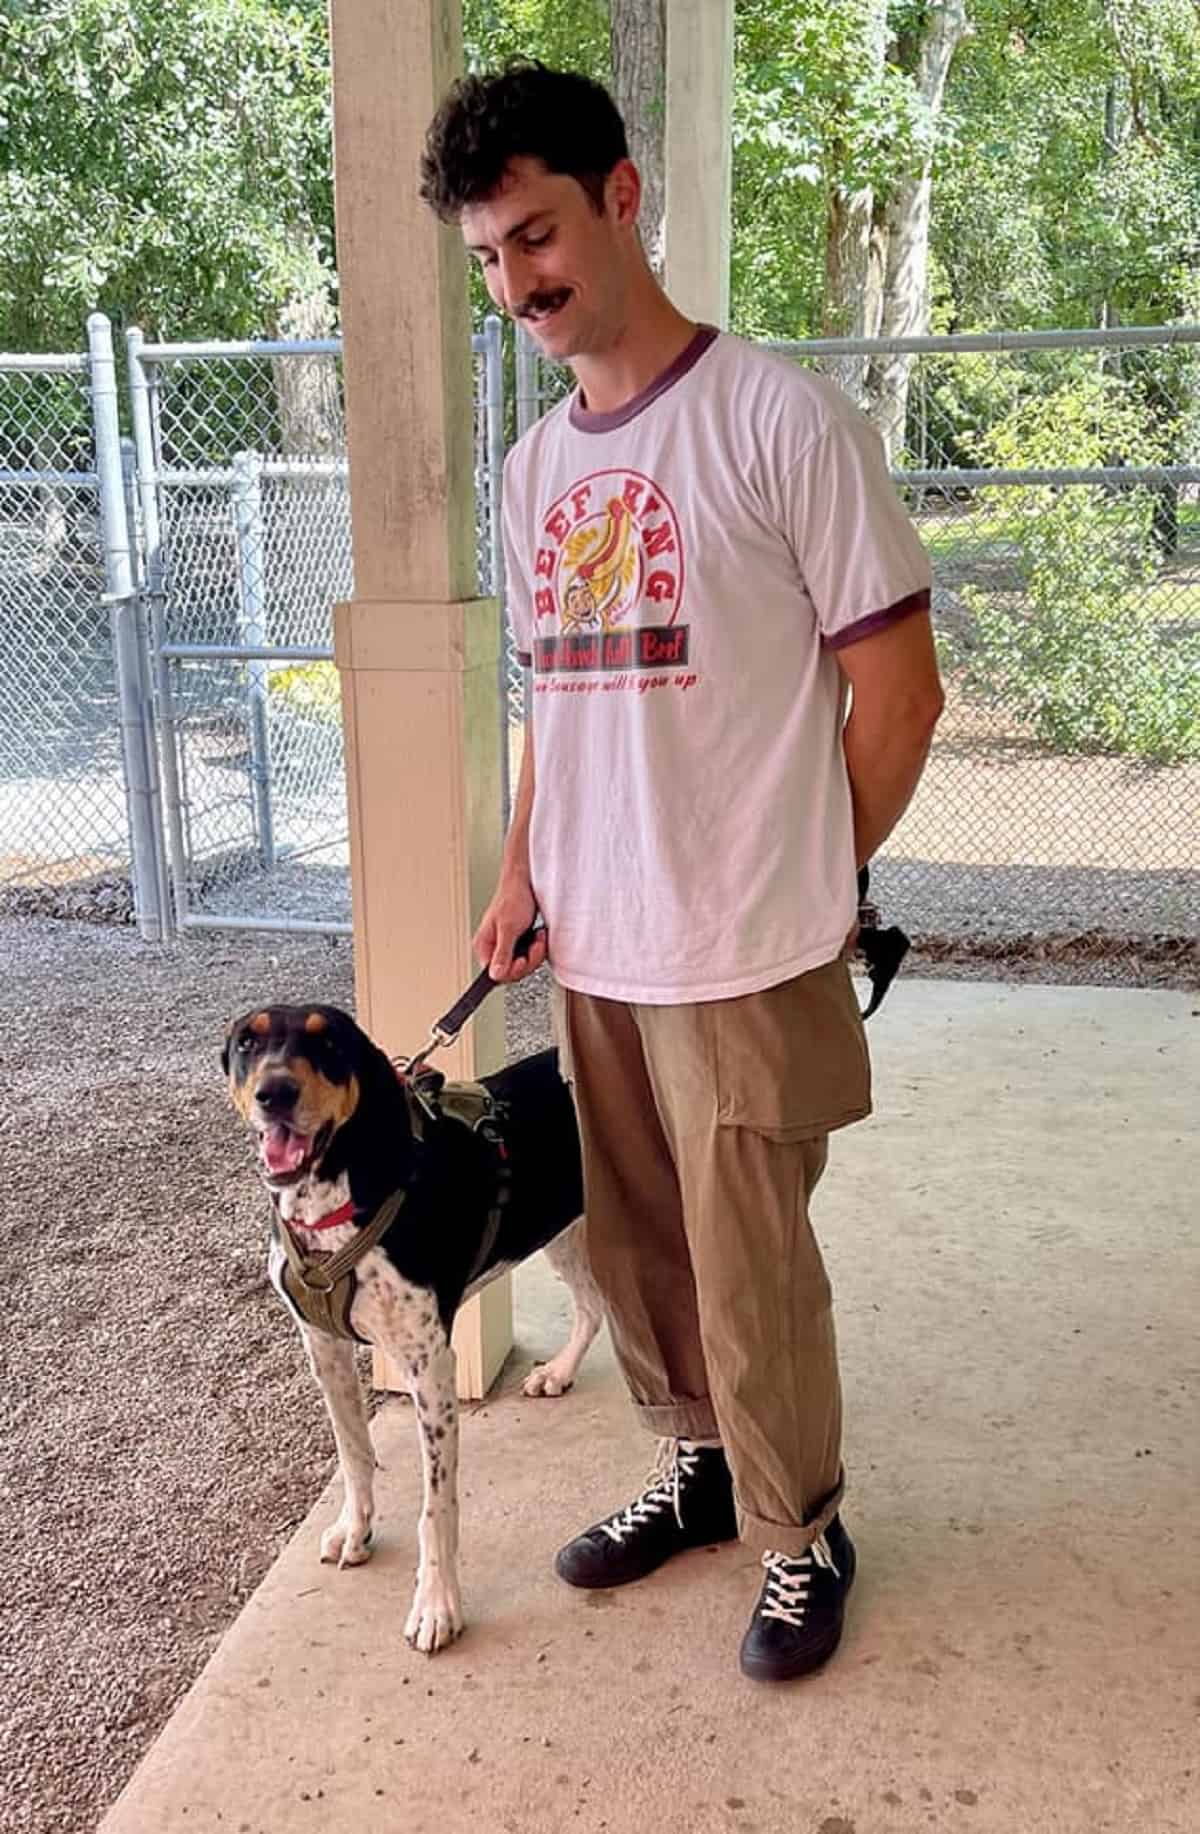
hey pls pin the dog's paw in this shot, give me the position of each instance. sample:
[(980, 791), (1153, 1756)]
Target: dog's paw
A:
[(346, 1544), (552, 1378), (436, 1617)]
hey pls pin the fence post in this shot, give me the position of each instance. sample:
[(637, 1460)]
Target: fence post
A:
[(527, 381), (246, 495), (121, 598), (146, 684), (153, 594)]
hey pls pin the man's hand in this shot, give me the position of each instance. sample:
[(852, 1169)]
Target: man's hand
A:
[(510, 913)]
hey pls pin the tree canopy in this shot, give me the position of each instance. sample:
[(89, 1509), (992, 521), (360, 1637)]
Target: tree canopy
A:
[(172, 165)]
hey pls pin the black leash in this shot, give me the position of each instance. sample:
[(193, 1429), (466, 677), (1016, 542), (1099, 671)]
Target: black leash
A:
[(447, 1028), (882, 950)]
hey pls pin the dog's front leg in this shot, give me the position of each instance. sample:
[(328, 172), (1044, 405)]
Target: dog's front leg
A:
[(436, 1616), (348, 1542)]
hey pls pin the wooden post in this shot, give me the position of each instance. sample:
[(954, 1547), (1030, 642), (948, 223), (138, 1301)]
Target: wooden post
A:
[(698, 156), (416, 649)]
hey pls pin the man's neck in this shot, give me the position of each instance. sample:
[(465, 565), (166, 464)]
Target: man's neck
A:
[(655, 333)]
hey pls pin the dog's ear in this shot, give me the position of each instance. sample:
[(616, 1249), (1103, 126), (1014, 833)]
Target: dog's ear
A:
[(227, 1047)]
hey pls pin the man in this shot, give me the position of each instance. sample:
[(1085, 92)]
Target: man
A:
[(704, 551)]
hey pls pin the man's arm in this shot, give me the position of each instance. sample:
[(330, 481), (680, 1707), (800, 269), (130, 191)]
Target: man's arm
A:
[(897, 701), (513, 906)]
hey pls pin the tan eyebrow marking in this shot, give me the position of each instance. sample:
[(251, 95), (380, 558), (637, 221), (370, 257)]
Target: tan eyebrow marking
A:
[(261, 1023), (315, 1022)]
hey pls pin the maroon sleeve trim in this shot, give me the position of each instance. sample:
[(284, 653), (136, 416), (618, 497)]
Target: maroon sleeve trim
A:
[(875, 621), (525, 659)]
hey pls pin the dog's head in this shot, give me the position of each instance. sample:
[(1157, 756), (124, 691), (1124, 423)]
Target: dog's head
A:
[(297, 1075)]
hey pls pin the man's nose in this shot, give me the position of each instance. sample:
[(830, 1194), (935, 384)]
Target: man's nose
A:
[(516, 279)]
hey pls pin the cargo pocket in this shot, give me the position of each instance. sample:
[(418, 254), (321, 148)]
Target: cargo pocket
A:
[(791, 1062)]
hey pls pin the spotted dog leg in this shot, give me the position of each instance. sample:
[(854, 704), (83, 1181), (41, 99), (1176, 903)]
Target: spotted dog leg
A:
[(567, 1255), (436, 1616), (348, 1542)]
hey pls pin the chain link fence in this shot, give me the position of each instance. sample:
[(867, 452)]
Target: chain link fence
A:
[(186, 686), (64, 818), (1055, 481), (169, 705), (245, 526), (246, 530)]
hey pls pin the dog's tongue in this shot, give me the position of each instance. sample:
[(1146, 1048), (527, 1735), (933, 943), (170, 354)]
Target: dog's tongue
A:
[(283, 1150)]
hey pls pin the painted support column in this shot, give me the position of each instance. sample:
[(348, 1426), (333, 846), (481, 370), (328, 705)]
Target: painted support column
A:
[(698, 156), (417, 650)]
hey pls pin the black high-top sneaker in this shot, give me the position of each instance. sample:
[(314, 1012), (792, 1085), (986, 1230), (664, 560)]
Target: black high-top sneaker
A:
[(797, 1622), (687, 1502)]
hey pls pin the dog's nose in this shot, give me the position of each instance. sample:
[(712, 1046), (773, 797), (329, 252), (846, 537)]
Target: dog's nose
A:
[(277, 1094)]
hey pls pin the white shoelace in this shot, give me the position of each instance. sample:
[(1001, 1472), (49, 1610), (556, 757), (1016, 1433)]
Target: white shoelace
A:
[(676, 1458), (788, 1578)]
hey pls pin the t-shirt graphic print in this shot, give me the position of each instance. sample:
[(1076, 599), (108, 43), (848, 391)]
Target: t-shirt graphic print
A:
[(608, 580)]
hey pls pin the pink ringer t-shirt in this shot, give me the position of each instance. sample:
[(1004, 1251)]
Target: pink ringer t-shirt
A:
[(680, 573)]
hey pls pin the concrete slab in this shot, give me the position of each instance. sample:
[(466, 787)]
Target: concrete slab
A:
[(1014, 1248)]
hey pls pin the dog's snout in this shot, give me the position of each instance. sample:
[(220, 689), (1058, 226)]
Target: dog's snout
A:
[(277, 1095)]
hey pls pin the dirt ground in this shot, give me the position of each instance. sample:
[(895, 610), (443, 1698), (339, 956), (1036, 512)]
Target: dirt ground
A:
[(164, 1438)]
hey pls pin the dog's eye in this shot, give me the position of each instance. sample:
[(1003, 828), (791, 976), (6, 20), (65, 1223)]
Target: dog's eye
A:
[(244, 1045)]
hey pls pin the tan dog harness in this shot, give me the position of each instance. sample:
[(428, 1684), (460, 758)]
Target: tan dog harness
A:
[(321, 1285)]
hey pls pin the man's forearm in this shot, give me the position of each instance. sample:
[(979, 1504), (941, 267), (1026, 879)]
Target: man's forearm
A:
[(884, 763), (514, 864)]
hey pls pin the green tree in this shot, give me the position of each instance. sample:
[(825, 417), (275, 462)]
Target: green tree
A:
[(169, 165)]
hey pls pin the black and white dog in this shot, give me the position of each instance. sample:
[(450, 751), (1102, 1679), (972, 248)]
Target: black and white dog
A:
[(344, 1142)]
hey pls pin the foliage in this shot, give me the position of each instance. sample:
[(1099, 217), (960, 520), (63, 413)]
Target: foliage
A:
[(173, 165), (311, 688), (1069, 184), (1076, 651), (168, 165)]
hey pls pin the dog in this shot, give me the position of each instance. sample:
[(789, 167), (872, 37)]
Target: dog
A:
[(430, 1190)]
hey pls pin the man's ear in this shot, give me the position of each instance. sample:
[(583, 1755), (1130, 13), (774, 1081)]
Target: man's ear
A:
[(623, 193)]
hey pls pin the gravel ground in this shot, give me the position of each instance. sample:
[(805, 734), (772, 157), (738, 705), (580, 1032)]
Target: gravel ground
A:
[(164, 1436)]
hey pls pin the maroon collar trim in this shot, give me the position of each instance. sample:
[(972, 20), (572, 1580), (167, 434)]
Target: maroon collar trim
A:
[(585, 421)]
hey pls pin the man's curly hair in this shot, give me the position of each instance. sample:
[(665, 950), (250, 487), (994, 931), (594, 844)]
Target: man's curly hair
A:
[(525, 111)]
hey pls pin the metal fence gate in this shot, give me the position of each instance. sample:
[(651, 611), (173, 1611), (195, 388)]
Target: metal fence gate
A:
[(245, 518), (170, 715), (78, 775)]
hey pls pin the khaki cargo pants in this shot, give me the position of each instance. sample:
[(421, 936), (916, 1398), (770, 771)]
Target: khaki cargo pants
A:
[(704, 1134)]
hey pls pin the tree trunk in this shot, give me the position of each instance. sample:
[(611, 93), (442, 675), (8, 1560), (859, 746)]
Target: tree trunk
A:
[(307, 389), (906, 218), (638, 36), (855, 249)]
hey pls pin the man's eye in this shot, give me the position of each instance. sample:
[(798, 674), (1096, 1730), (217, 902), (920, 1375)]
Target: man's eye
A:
[(539, 241)]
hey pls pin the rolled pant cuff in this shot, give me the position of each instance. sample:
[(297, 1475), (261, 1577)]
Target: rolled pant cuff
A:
[(764, 1536), (678, 1419)]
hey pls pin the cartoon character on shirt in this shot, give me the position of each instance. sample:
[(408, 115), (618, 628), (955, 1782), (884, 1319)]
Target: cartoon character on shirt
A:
[(600, 566)]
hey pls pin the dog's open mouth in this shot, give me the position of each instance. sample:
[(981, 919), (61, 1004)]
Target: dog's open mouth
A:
[(284, 1150)]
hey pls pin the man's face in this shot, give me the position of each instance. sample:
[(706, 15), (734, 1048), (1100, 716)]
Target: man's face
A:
[(551, 260)]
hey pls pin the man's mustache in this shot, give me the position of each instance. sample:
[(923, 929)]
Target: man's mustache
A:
[(541, 302)]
